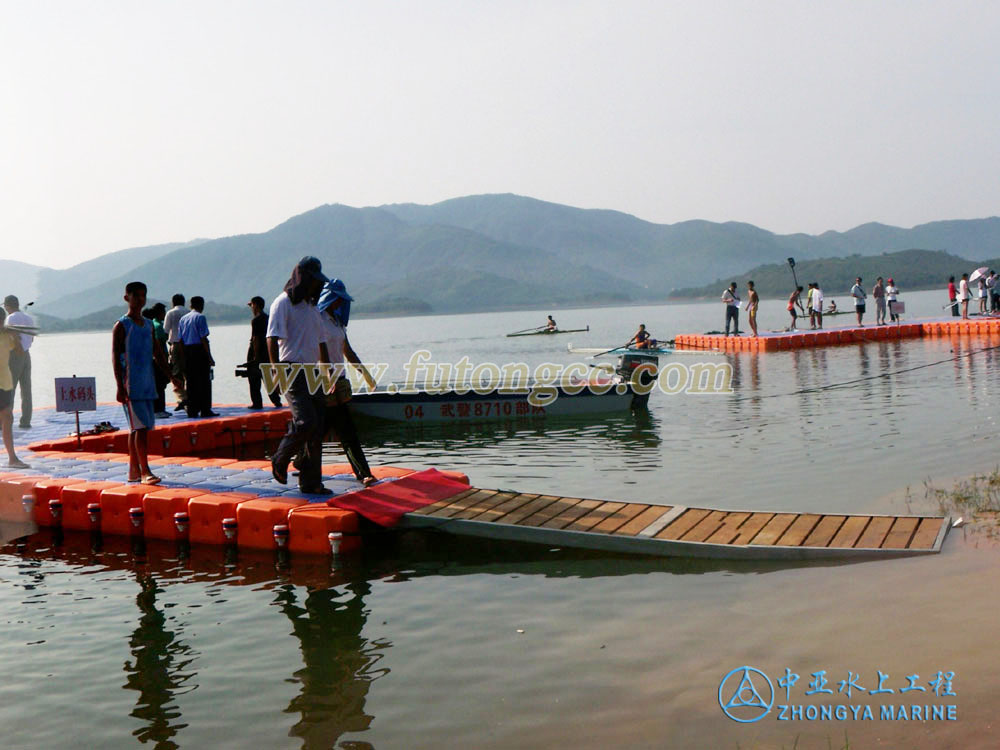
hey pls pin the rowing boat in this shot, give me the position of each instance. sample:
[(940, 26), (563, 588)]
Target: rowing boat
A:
[(549, 332), (619, 350)]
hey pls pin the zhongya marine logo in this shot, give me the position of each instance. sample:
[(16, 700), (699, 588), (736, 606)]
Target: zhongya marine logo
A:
[(746, 695)]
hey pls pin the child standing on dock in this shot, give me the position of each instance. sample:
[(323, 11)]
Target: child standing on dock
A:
[(794, 301), (133, 351)]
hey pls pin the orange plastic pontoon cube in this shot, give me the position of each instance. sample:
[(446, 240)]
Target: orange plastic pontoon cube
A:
[(206, 513), (310, 525), (159, 508), (46, 490), (76, 498), (115, 505), (257, 518)]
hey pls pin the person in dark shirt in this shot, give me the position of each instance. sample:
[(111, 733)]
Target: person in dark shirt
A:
[(257, 354)]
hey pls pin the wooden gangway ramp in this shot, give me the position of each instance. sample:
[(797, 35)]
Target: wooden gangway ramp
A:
[(679, 531)]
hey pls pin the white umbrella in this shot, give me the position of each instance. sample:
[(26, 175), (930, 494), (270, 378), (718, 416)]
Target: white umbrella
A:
[(978, 274)]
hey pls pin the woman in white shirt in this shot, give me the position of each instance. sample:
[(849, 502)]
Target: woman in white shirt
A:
[(891, 293), (335, 306)]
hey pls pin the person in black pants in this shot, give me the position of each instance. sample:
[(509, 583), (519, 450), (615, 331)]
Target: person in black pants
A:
[(257, 354), (198, 361)]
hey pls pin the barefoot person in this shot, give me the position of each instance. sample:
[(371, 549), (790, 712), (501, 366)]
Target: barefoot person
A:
[(793, 302), (133, 352), (753, 302), (642, 339), (9, 342), (963, 294), (335, 305)]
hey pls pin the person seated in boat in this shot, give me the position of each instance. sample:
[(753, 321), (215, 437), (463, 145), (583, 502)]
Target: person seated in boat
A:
[(832, 308), (642, 339), (550, 325)]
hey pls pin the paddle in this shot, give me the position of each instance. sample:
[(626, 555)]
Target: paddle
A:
[(950, 304), (791, 264), (536, 328)]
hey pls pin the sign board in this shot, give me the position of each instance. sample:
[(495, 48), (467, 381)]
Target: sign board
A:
[(76, 394)]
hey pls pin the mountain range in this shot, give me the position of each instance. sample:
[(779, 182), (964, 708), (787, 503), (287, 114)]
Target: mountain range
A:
[(484, 252)]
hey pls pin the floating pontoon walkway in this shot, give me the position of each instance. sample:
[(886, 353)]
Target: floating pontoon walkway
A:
[(802, 339), (678, 530)]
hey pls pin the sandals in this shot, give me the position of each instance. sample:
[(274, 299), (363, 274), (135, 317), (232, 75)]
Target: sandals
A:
[(369, 481), (150, 479), (17, 464)]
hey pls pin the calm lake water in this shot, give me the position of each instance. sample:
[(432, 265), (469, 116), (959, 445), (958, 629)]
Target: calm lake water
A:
[(430, 642)]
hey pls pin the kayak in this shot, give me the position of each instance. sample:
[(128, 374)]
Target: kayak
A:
[(550, 332)]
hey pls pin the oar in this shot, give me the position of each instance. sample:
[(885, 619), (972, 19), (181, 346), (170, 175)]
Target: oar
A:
[(601, 354), (950, 304), (791, 264), (536, 328)]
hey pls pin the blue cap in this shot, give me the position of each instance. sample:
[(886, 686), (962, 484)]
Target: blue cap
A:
[(332, 291)]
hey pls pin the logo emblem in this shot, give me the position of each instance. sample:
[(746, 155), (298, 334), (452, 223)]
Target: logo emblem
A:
[(746, 695)]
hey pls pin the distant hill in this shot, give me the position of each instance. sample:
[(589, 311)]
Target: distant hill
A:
[(911, 270), (484, 252)]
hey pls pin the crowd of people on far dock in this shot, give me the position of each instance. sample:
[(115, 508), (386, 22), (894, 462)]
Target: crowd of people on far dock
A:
[(884, 294)]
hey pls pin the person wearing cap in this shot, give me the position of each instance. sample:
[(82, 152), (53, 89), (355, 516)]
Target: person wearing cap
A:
[(892, 295), (20, 361), (295, 334), (257, 354), (335, 307), (198, 360)]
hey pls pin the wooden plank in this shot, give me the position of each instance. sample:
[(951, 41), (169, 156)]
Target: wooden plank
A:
[(685, 521), (926, 533), (444, 502), (641, 521), (850, 532), (729, 529), (499, 511), (773, 529), (619, 518), (661, 523), (486, 504), (594, 517), (799, 530), (554, 508), (875, 532), (532, 506), (751, 527), (902, 531), (467, 501), (705, 527), (567, 517), (824, 531)]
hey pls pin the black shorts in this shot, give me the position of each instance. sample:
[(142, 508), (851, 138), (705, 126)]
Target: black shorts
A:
[(6, 399), (860, 308)]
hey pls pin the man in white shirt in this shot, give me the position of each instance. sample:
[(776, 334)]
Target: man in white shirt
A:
[(20, 362), (732, 300), (858, 292), (818, 304), (170, 322), (295, 334)]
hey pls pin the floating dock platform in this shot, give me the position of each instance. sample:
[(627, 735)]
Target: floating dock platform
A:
[(775, 341), (227, 501)]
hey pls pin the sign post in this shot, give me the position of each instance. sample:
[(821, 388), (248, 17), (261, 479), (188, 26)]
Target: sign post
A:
[(75, 395)]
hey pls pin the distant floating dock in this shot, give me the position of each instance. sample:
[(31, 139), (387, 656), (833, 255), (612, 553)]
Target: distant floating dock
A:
[(808, 339)]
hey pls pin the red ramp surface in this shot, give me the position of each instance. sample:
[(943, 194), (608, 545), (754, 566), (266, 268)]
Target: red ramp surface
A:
[(386, 503)]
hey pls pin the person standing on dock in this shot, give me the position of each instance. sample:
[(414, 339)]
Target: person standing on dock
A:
[(753, 302), (134, 350), (793, 302), (892, 296), (859, 299), (9, 342), (20, 361), (809, 305), (732, 300), (994, 291), (953, 296), (982, 295), (257, 354), (176, 348), (963, 294), (818, 304), (295, 334), (878, 294), (198, 361)]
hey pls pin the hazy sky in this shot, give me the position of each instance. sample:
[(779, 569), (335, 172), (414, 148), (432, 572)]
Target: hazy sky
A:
[(135, 123)]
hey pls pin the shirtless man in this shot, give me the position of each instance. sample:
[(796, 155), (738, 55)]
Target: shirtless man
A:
[(642, 339), (753, 301)]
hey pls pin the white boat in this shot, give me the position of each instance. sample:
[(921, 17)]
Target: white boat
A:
[(600, 394)]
